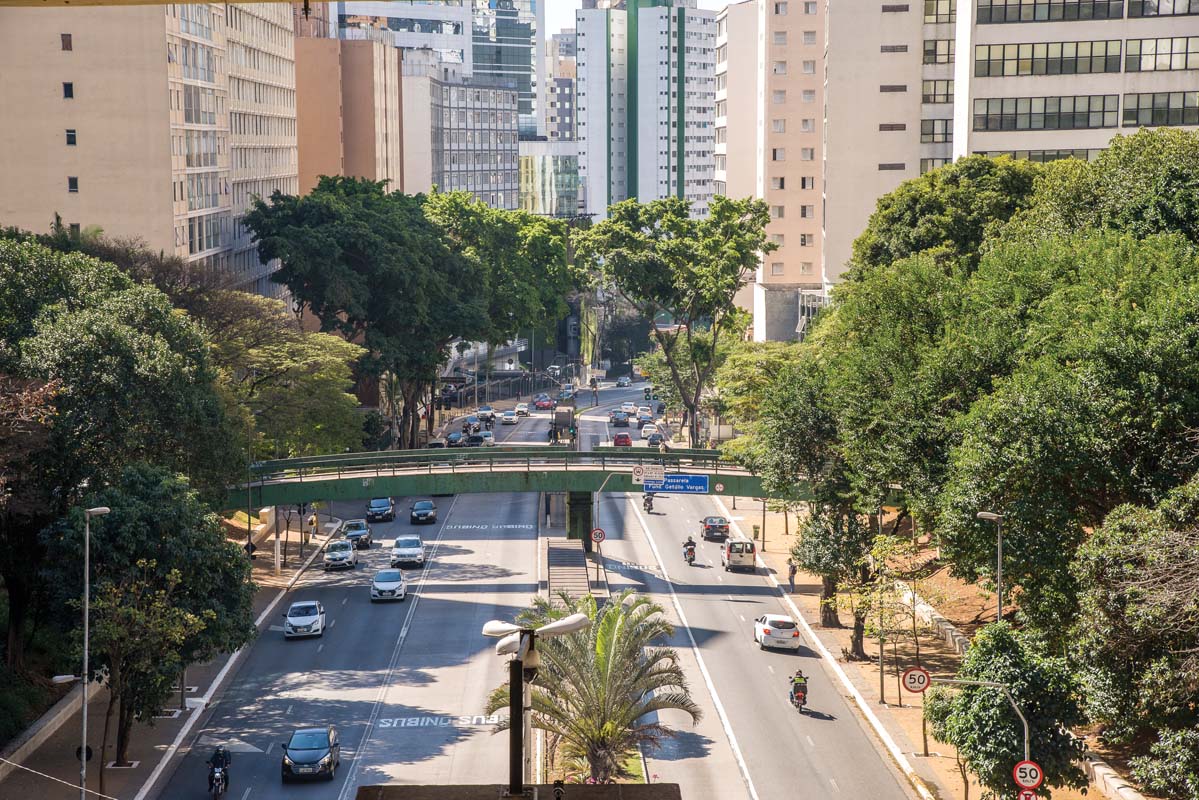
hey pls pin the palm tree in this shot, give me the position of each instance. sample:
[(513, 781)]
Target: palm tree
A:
[(595, 688)]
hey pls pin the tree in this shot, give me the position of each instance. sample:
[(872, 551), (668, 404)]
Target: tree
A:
[(747, 372), (947, 212), (683, 273), (981, 725), (596, 687)]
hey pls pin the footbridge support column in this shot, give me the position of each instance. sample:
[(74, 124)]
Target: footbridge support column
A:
[(579, 517)]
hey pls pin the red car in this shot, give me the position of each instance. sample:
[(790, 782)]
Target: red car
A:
[(543, 404), (622, 440)]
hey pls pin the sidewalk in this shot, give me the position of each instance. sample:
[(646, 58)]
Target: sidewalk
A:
[(55, 770), (900, 716)]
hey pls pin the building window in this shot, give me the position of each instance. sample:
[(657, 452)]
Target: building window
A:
[(999, 11), (776, 268), (928, 164), (780, 37), (68, 90), (807, 182), (807, 239), (936, 11), (1046, 113), (777, 212), (780, 9), (72, 184), (1047, 58), (892, 167), (809, 8), (809, 68), (807, 212), (938, 51), (1162, 8), (66, 41), (893, 87), (778, 183), (809, 95), (807, 154), (779, 68), (892, 126), (778, 238), (778, 154), (71, 136), (74, 229), (896, 9), (1161, 55), (936, 92), (809, 37), (1161, 108), (778, 96), (893, 48), (1044, 156), (778, 125), (936, 131), (807, 125), (805, 268)]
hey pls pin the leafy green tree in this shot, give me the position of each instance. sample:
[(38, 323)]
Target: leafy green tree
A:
[(984, 729), (947, 212), (745, 374), (596, 687), (665, 263)]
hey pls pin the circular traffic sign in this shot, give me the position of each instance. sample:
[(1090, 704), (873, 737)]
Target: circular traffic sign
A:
[(1028, 774), (638, 473), (1027, 794), (720, 487), (916, 679), (597, 535)]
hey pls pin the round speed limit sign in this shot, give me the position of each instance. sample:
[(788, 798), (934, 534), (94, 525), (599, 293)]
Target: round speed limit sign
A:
[(1028, 774), (597, 535), (916, 679)]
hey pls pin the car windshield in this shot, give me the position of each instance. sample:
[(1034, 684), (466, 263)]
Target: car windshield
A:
[(407, 544), (308, 740), (423, 505), (509, 413), (306, 610), (781, 624), (355, 526), (717, 521), (389, 576), (472, 420), (379, 503), (338, 547)]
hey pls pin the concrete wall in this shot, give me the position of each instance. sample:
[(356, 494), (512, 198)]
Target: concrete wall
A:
[(318, 110)]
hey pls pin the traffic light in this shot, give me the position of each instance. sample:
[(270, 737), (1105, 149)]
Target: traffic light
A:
[(647, 391)]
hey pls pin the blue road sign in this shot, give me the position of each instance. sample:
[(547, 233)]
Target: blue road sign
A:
[(678, 483)]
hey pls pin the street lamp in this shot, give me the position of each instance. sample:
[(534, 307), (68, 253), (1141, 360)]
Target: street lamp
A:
[(521, 644), (998, 520), (98, 511)]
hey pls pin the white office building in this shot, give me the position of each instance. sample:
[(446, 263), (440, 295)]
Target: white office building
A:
[(645, 96)]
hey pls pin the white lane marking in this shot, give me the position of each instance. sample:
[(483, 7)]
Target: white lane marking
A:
[(246, 793), (320, 647), (348, 781), (771, 668), (699, 659), (720, 578), (730, 599), (287, 713), (144, 792), (742, 617), (345, 600), (810, 742), (269, 748), (893, 749), (834, 783), (332, 624)]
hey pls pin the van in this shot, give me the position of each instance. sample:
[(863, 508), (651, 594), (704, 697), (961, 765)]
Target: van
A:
[(738, 553)]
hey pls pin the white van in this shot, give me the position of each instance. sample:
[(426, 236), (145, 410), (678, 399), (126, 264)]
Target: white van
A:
[(738, 553)]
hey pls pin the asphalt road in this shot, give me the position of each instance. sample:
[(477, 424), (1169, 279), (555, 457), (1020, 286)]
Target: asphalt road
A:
[(405, 683)]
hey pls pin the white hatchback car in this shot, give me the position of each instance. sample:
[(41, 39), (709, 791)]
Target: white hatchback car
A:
[(304, 618), (522, 409), (628, 407), (648, 430), (340, 554), (777, 631), (388, 584)]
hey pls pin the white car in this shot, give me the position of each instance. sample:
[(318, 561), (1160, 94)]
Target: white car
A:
[(304, 618), (388, 584), (628, 407), (777, 631), (407, 549), (648, 430), (645, 410), (340, 554), (522, 409), (488, 438), (509, 418)]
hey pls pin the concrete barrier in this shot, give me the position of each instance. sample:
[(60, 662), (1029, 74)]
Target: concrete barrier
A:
[(42, 729)]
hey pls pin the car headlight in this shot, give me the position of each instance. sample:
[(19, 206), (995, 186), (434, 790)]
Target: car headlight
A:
[(287, 760), (327, 760)]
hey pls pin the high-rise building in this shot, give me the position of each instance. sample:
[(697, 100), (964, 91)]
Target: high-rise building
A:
[(549, 178), (769, 97), (509, 47), (915, 86), (440, 26), (561, 106), (167, 149), (458, 132), (645, 92)]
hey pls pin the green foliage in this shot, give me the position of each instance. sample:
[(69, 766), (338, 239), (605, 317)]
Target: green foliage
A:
[(746, 372), (985, 730), (1172, 766), (595, 688), (946, 212)]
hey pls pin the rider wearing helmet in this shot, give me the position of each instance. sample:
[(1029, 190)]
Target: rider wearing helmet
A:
[(799, 684), (688, 546), (220, 758)]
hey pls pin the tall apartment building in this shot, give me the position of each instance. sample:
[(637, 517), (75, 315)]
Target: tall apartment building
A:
[(561, 106), (154, 122), (646, 91), (769, 120), (348, 110), (1036, 79), (508, 41), (440, 26), (458, 132)]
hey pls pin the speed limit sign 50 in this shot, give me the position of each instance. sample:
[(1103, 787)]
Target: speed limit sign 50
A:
[(915, 679), (1028, 774)]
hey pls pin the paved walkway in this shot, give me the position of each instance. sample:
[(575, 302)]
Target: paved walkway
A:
[(52, 772)]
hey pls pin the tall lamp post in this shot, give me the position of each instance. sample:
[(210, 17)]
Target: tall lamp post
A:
[(991, 516), (521, 644), (98, 511)]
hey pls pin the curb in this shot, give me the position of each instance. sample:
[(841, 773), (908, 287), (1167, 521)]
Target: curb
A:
[(42, 728)]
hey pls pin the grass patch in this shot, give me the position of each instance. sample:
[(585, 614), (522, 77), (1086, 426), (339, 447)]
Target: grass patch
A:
[(632, 766), (239, 518)]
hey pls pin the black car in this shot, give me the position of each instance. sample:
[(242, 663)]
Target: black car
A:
[(471, 424), (620, 420), (312, 753), (714, 528), (380, 508), (474, 440), (654, 440), (423, 511), (643, 420), (454, 440)]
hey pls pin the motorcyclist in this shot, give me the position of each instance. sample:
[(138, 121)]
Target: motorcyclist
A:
[(689, 548), (799, 685), (649, 502), (220, 758)]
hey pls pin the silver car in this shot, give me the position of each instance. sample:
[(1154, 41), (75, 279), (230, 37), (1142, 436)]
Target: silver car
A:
[(408, 549), (341, 554), (304, 618), (388, 584)]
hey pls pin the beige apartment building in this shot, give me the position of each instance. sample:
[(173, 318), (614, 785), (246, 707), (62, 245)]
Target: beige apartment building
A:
[(129, 120), (770, 93), (348, 110)]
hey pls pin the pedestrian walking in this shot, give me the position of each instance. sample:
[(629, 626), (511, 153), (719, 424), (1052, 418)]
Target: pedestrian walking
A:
[(792, 568)]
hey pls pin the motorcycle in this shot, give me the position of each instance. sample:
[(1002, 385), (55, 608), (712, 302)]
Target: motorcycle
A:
[(648, 503), (689, 554), (218, 781), (799, 699)]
